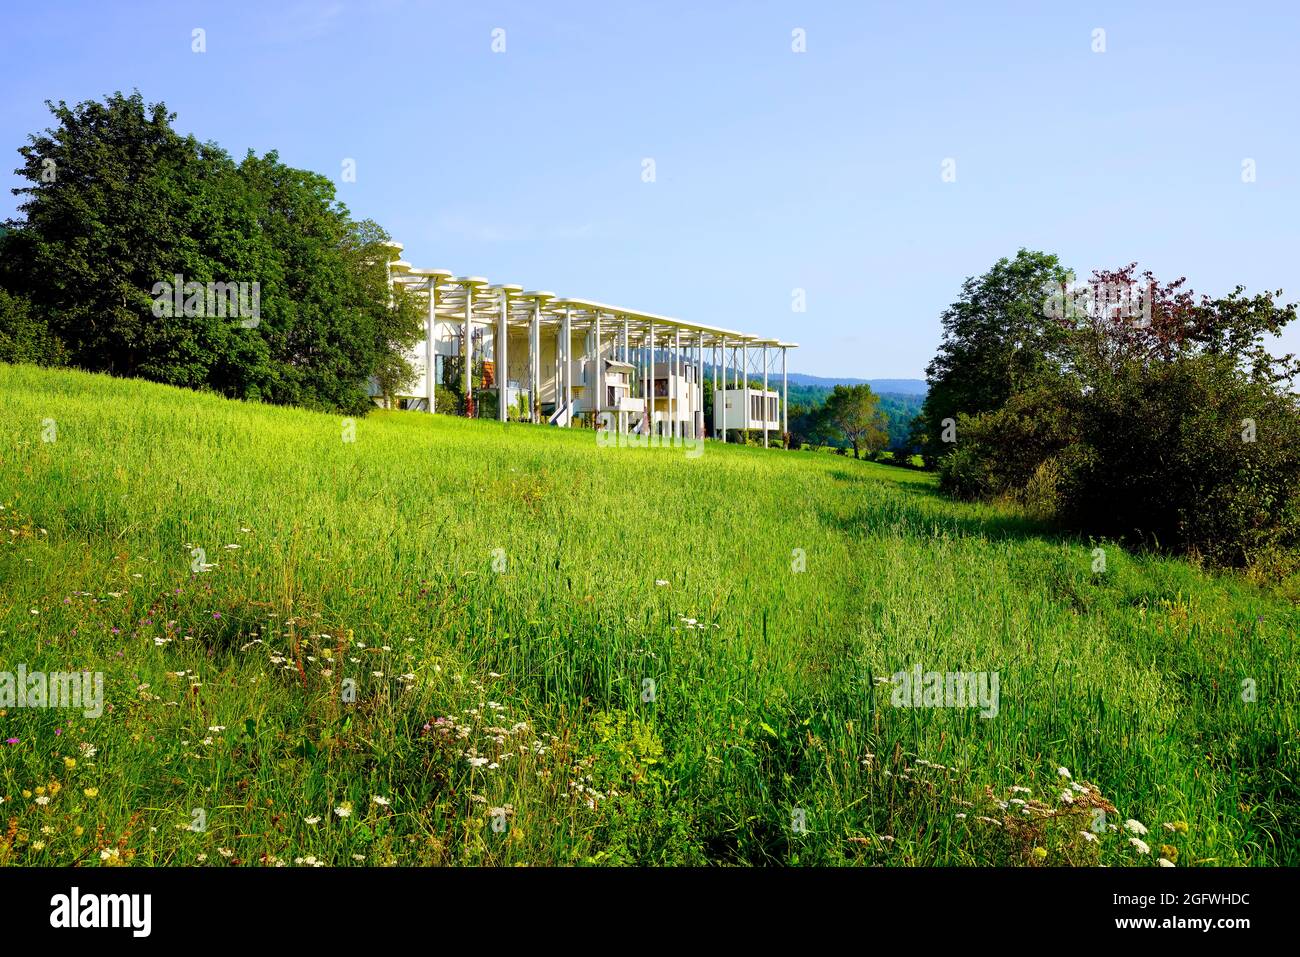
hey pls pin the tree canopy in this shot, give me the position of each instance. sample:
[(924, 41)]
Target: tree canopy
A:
[(119, 208)]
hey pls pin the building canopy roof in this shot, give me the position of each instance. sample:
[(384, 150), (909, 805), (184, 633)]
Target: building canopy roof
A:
[(453, 295)]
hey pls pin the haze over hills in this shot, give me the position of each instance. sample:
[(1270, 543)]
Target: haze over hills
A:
[(900, 386)]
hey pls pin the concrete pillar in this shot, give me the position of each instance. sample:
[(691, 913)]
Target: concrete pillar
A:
[(567, 367), (785, 398), (430, 356), (744, 366), (600, 372), (699, 385), (468, 356), (502, 357), (535, 363), (765, 395), (650, 377), (719, 409)]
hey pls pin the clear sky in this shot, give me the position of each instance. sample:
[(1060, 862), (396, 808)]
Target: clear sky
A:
[(774, 170)]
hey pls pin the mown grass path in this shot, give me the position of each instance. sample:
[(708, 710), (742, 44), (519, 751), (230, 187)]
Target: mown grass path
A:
[(531, 649)]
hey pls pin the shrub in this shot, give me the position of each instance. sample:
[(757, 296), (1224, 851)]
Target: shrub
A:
[(24, 336)]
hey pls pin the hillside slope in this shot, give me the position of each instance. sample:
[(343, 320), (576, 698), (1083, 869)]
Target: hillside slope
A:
[(461, 642)]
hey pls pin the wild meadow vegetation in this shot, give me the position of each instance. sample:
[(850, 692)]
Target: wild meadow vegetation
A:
[(418, 639)]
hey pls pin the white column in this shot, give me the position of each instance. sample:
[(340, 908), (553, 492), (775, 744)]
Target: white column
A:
[(430, 356), (719, 407), (744, 366), (535, 363), (650, 377), (674, 399), (600, 373), (785, 399), (765, 404), (503, 358), (468, 356), (567, 367), (700, 383)]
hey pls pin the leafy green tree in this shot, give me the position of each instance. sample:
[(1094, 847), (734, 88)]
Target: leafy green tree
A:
[(853, 410), (996, 336), (119, 204)]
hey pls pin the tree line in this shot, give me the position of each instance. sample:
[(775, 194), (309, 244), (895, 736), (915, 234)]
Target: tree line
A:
[(1123, 407), (141, 252)]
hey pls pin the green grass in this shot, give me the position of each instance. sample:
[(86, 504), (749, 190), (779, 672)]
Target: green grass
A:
[(372, 562)]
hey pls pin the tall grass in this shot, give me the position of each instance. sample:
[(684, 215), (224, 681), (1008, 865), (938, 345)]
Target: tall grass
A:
[(538, 650)]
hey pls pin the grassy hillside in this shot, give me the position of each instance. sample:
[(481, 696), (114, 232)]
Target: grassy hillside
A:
[(503, 712)]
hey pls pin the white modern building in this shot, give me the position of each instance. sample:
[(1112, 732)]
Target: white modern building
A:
[(566, 361)]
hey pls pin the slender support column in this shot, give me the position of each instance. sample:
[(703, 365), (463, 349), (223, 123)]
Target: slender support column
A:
[(699, 384), (469, 349), (744, 366), (785, 399), (430, 355), (674, 399), (535, 363), (599, 404), (650, 377), (720, 407), (765, 400), (567, 367), (503, 357)]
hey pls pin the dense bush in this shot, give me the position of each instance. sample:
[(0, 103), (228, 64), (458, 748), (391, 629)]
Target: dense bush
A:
[(24, 337), (1188, 454), (1173, 426)]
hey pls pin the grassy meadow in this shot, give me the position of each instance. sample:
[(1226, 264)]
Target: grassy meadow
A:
[(455, 642)]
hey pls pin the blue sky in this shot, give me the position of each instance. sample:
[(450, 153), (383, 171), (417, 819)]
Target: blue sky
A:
[(774, 170)]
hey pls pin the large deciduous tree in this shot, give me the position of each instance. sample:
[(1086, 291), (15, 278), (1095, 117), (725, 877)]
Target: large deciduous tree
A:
[(996, 336), (118, 204), (853, 411)]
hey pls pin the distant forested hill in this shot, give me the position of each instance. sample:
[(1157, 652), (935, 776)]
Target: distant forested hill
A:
[(879, 386)]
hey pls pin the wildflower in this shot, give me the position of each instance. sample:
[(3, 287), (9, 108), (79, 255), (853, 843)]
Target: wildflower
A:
[(1163, 862), (43, 800), (344, 810), (1040, 853), (1141, 845), (382, 801), (1135, 827), (38, 845), (109, 854), (1088, 835), (69, 763), (91, 792), (314, 819), (660, 582), (1063, 772)]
